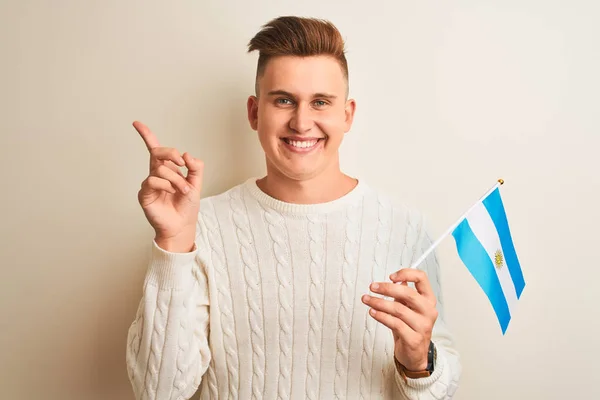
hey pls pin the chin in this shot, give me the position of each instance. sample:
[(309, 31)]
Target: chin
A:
[(300, 173)]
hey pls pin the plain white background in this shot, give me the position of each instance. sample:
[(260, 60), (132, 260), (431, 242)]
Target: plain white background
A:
[(451, 96)]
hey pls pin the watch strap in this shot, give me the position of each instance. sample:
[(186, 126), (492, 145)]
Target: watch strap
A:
[(405, 373), (431, 357)]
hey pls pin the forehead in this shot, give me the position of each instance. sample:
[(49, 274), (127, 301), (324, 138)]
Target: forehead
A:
[(303, 75)]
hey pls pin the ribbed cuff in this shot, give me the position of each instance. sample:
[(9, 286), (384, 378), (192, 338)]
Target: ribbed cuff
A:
[(413, 386), (168, 270)]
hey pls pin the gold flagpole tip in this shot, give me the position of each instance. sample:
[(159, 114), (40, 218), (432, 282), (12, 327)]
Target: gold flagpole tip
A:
[(501, 181)]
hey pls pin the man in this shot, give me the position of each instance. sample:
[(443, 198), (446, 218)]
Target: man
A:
[(286, 286)]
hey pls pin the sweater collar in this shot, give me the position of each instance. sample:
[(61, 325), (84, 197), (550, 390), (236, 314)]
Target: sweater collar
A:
[(351, 198)]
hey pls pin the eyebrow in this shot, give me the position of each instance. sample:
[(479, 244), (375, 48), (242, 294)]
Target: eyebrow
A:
[(288, 94)]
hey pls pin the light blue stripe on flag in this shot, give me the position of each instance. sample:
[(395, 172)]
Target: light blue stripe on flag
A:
[(478, 262)]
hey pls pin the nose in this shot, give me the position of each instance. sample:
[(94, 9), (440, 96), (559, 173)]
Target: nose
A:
[(302, 119)]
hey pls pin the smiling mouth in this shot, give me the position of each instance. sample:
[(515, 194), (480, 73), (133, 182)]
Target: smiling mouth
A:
[(302, 144)]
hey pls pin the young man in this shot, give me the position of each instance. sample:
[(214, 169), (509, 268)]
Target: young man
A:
[(286, 286)]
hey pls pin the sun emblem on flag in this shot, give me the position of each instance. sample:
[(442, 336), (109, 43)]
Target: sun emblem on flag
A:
[(498, 259)]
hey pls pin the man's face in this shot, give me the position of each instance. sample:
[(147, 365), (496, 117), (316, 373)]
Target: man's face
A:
[(301, 115)]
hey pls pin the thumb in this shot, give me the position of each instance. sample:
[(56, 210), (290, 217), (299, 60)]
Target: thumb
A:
[(195, 169)]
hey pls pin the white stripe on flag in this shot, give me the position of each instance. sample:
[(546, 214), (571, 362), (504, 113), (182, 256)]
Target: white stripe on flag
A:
[(485, 231)]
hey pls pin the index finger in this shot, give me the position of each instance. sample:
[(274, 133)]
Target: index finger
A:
[(147, 135), (419, 278)]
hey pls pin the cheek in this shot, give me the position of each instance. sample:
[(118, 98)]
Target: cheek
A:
[(332, 125), (271, 123)]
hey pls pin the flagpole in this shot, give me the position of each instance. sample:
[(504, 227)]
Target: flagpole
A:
[(439, 240)]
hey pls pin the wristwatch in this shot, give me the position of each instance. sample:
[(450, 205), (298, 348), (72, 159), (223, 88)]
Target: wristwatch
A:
[(431, 358)]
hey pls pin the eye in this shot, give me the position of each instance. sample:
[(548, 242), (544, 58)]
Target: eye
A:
[(320, 103), (283, 101)]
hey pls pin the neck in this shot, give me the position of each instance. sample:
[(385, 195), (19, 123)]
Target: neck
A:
[(322, 188)]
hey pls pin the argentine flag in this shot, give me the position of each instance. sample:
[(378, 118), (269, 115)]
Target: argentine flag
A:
[(485, 246)]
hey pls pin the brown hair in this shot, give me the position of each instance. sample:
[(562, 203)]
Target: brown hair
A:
[(297, 36)]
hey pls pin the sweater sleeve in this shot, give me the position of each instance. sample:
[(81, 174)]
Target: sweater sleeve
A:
[(443, 383), (167, 343)]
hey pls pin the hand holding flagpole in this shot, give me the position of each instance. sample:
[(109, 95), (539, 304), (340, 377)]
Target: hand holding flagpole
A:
[(485, 246)]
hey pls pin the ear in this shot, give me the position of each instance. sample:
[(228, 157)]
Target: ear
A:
[(349, 110), (252, 106)]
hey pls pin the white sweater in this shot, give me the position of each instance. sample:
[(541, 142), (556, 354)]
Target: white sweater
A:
[(268, 304)]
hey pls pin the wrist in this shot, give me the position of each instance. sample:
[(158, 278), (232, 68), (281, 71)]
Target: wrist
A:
[(410, 368), (183, 243), (420, 369), (414, 367)]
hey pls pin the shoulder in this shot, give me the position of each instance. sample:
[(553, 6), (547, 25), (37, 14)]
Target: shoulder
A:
[(226, 196), (213, 206), (403, 215)]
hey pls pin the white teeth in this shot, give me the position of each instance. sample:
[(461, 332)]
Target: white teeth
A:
[(302, 144)]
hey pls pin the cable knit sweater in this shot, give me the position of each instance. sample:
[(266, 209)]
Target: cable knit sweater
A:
[(268, 303)]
